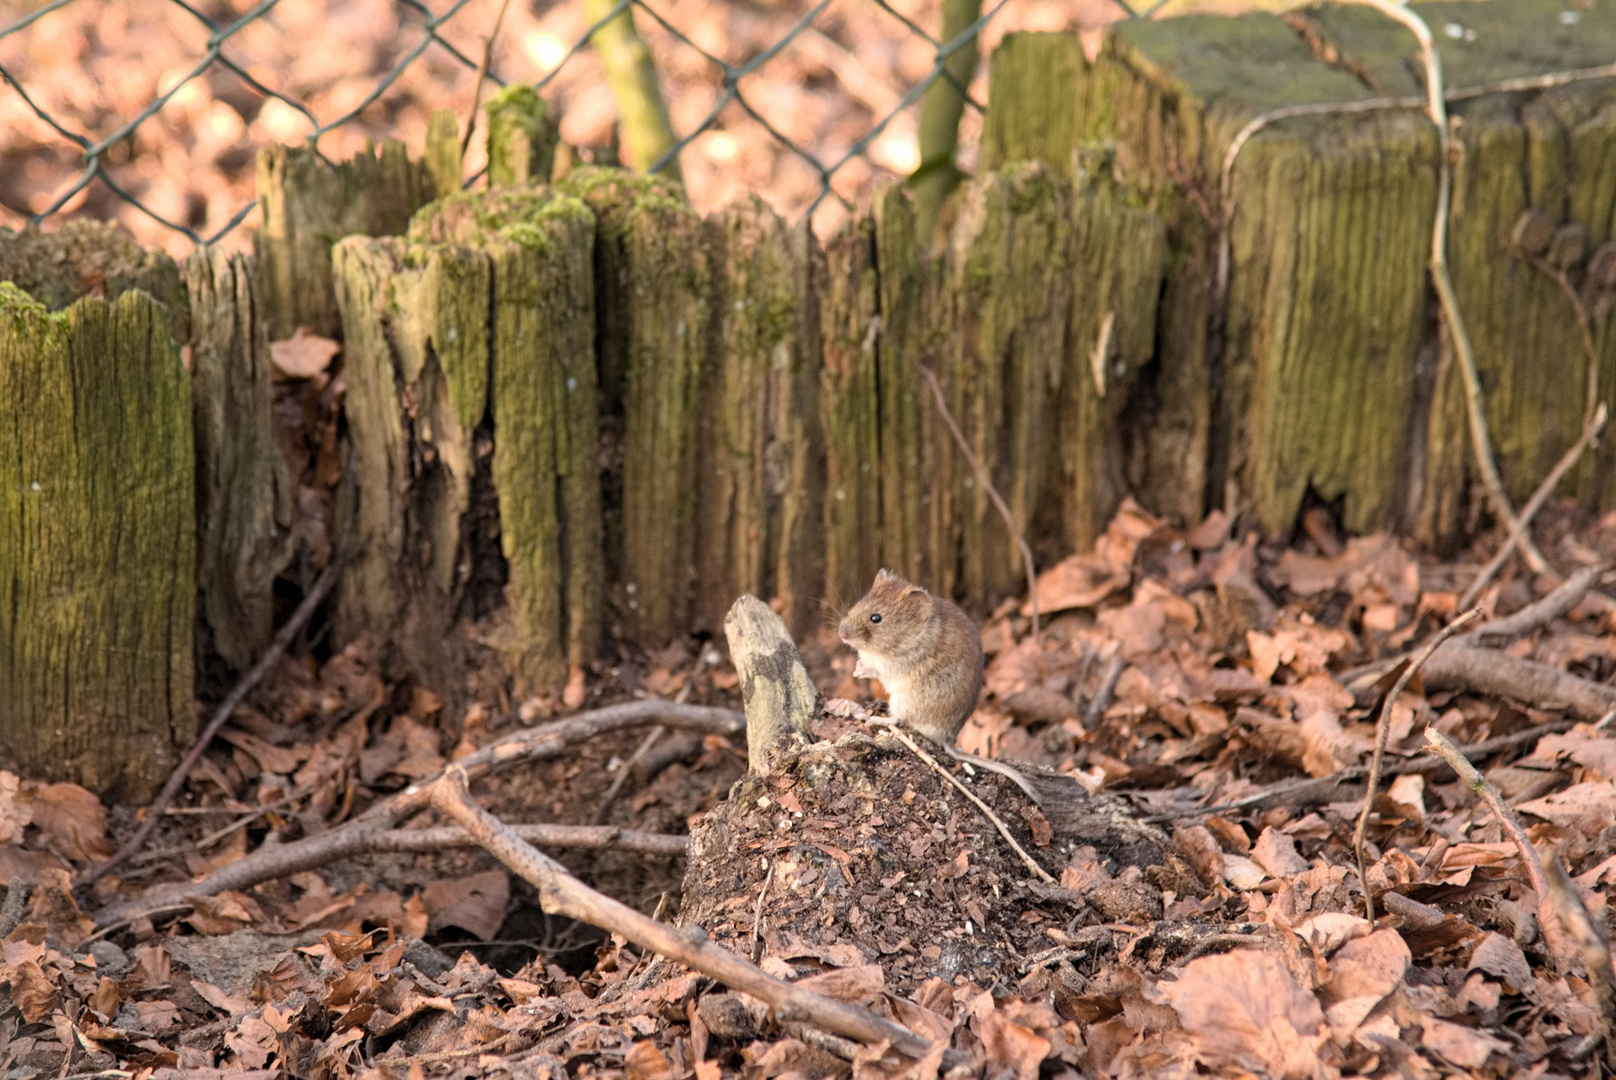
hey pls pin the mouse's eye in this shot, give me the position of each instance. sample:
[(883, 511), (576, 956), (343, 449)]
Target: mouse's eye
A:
[(875, 616)]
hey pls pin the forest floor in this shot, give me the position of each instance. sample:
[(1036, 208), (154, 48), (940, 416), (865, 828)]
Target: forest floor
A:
[(1178, 672)]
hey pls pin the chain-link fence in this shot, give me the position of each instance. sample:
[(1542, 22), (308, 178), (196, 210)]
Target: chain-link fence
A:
[(150, 111)]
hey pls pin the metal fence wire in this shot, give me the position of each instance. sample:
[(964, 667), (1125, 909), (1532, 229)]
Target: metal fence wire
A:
[(89, 152)]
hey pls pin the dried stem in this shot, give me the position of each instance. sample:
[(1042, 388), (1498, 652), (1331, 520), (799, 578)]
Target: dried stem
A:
[(1382, 733), (1591, 944), (482, 73), (650, 740), (1444, 748), (1004, 830), (993, 492), (562, 894), (1517, 533)]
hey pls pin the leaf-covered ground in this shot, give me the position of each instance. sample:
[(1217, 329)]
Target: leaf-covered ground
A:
[(1228, 674)]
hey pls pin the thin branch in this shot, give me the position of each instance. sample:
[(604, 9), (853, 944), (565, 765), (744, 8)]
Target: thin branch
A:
[(1517, 533), (993, 492), (1004, 830), (1591, 944), (1488, 671), (562, 894), (1108, 688), (1444, 748), (482, 73), (1311, 791), (1382, 733), (650, 740)]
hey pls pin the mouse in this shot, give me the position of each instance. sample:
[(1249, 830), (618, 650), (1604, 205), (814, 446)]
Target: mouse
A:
[(925, 650)]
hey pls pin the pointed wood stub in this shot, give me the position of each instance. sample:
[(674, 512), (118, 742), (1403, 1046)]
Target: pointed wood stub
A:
[(244, 498), (98, 542), (307, 205), (780, 698)]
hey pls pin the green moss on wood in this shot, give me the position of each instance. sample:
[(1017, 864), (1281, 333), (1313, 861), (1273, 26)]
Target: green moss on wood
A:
[(91, 258), (443, 157), (97, 534), (1034, 107)]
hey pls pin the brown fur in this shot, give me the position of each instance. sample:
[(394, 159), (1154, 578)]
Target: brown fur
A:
[(925, 650)]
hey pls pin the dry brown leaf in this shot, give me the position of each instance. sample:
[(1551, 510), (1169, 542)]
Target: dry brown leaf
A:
[(1465, 1047), (475, 904), (303, 355), (71, 821), (1078, 581), (1246, 1009), (1276, 852), (1011, 1049), (1588, 808), (847, 984), (1362, 972)]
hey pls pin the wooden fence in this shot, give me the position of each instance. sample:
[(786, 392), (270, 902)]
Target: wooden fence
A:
[(623, 415)]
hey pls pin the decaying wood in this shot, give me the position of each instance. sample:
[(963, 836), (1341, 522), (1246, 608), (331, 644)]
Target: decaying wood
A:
[(531, 744), (307, 204), (780, 698), (244, 498), (521, 137), (97, 541)]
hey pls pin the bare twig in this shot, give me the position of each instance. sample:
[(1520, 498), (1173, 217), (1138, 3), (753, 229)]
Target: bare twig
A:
[(1534, 615), (1004, 830), (532, 744), (757, 915), (1517, 532), (993, 492), (227, 707), (1488, 671), (1310, 791), (1591, 944), (650, 740), (1444, 748), (1382, 733), (562, 894), (1108, 688), (16, 899), (482, 74)]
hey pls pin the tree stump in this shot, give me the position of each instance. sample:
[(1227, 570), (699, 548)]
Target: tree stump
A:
[(842, 848)]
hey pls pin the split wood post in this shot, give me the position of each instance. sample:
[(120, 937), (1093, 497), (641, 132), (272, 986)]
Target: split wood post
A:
[(444, 161), (415, 332), (1548, 152), (759, 515), (245, 504), (97, 532), (653, 297), (846, 287), (307, 205), (521, 137)]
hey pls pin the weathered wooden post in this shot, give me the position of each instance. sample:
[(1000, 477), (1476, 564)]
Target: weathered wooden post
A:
[(245, 503), (97, 525), (652, 282), (759, 516)]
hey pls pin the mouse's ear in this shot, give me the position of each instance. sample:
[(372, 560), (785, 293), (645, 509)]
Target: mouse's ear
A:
[(883, 575)]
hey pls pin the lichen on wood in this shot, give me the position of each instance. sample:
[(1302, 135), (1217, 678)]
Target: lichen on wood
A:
[(244, 497), (97, 532), (759, 420)]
